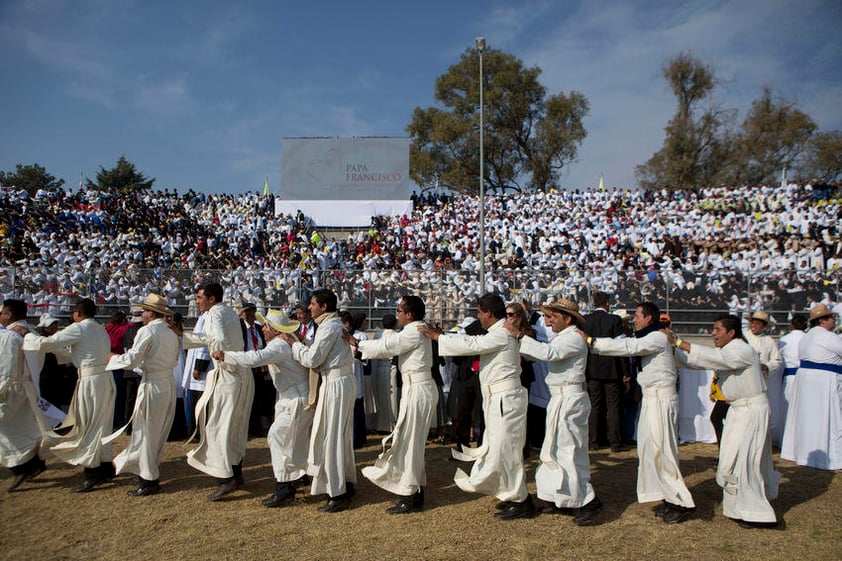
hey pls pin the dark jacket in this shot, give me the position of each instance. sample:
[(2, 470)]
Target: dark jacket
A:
[(600, 323)]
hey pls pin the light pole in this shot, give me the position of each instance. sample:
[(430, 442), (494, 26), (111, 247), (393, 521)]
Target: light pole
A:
[(481, 47)]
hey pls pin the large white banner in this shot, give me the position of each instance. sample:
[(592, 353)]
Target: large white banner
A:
[(321, 169)]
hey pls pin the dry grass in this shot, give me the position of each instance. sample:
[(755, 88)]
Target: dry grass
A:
[(47, 522)]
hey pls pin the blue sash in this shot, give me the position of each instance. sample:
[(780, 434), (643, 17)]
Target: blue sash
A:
[(790, 371), (835, 368)]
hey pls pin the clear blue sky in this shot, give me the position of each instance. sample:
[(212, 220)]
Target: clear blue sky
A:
[(200, 94)]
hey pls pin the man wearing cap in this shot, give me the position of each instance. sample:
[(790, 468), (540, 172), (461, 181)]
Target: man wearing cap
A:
[(155, 350), (331, 460), (563, 477), (222, 413), (772, 366), (21, 423), (813, 433), (658, 475), (498, 462), (289, 434), (91, 413), (400, 469)]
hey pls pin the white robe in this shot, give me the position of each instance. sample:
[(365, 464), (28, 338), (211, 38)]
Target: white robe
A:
[(400, 469), (155, 350), (770, 355), (788, 345), (222, 414), (91, 412), (498, 463), (564, 475), (745, 472), (289, 435), (813, 434), (658, 474), (331, 460)]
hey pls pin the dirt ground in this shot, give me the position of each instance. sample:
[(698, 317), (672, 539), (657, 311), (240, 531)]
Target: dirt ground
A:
[(45, 521)]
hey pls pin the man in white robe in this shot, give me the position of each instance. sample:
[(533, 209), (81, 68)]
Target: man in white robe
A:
[(400, 469), (658, 473), (155, 350), (563, 477), (788, 345), (21, 423), (813, 433), (498, 462), (772, 366), (91, 413), (222, 413), (745, 471), (289, 434), (331, 460)]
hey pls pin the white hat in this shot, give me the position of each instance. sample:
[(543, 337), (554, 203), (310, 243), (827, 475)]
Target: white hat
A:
[(279, 321), (46, 320)]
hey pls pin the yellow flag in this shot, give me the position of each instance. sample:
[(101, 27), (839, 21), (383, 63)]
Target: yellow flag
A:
[(601, 184), (266, 188)]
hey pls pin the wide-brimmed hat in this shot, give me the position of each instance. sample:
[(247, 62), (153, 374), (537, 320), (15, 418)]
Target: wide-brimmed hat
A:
[(156, 303), (46, 320), (760, 315), (462, 325), (820, 311), (134, 313), (279, 321), (564, 306)]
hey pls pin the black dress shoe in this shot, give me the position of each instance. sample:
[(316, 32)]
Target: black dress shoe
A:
[(226, 488), (337, 504), (617, 448), (675, 514), (660, 510), (407, 504), (146, 489), (283, 493), (87, 485), (587, 513), (748, 525), (517, 510), (19, 478), (503, 505)]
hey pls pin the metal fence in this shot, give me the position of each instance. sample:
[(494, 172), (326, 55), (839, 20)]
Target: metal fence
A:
[(693, 299)]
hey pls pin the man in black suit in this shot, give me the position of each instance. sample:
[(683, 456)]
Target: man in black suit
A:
[(263, 403), (605, 376)]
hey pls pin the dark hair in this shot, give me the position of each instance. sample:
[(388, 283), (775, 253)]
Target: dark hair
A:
[(731, 323), (326, 298), (600, 299), (492, 303), (16, 307), (85, 307), (521, 321), (118, 317), (212, 289), (799, 323), (415, 306), (302, 307), (390, 321), (177, 318), (650, 310), (346, 317)]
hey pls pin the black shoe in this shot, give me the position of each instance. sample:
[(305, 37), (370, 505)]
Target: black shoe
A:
[(405, 505), (587, 513), (88, 484), (146, 489), (526, 509), (617, 448), (38, 468), (675, 514), (503, 505), (757, 525), (226, 488), (302, 481), (660, 510), (337, 504), (283, 493)]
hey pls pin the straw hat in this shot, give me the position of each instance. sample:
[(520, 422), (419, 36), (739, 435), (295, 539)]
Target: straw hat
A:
[(278, 321), (565, 306), (46, 320), (820, 311), (156, 303), (760, 315)]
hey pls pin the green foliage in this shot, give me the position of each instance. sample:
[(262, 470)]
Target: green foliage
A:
[(122, 178), (823, 160), (30, 177), (528, 136)]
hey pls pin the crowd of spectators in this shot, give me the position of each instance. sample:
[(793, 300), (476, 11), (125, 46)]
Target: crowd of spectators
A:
[(724, 248)]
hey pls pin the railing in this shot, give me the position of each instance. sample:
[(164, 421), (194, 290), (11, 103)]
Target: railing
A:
[(693, 299)]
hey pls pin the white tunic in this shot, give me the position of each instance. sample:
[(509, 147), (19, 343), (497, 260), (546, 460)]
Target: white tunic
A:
[(199, 353), (770, 355), (155, 350), (745, 470), (400, 469), (20, 426), (91, 412), (813, 434), (289, 435), (658, 473), (788, 345), (331, 460), (564, 475), (498, 463), (223, 411)]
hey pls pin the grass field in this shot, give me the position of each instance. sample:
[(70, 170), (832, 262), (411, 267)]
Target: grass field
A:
[(45, 521)]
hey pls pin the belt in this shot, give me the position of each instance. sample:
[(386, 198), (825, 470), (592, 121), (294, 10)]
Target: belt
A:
[(565, 390), (746, 401), (659, 393), (790, 371), (835, 368), (333, 374), (416, 377), (292, 384), (504, 385), (92, 370)]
